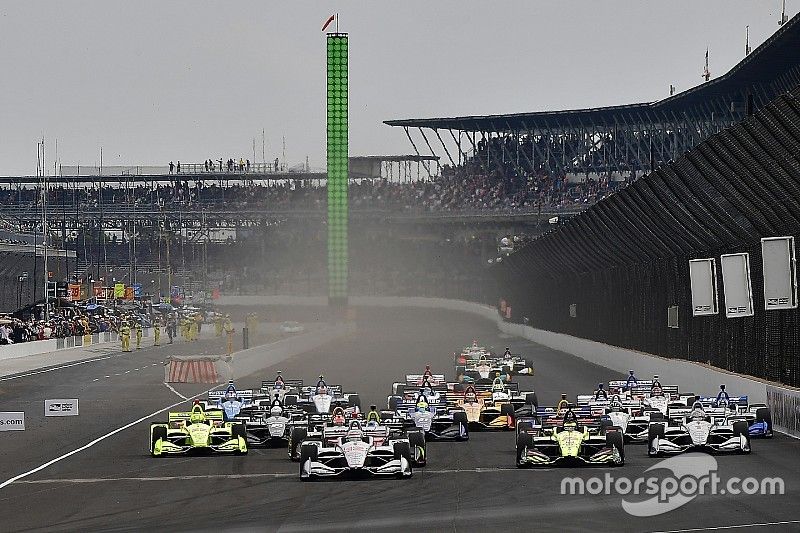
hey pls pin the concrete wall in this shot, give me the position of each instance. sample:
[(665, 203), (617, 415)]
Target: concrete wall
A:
[(12, 351)]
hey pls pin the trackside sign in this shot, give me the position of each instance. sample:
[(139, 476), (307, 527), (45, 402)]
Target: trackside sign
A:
[(12, 421), (61, 407)]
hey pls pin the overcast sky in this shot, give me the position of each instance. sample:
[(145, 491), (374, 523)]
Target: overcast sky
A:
[(157, 81)]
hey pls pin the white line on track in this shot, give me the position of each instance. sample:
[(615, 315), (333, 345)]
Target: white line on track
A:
[(43, 371), (238, 476), (95, 441), (176, 392), (735, 526)]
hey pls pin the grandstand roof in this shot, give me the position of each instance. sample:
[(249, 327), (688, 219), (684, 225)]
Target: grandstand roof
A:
[(765, 71)]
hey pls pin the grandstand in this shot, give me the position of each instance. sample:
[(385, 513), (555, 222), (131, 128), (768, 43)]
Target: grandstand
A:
[(620, 142)]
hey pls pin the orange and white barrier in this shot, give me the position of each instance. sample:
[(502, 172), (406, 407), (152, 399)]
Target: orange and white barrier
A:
[(191, 371)]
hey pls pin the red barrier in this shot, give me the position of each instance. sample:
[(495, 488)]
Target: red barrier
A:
[(192, 372)]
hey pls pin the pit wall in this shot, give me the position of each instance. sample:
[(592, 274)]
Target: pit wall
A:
[(693, 377), (24, 349)]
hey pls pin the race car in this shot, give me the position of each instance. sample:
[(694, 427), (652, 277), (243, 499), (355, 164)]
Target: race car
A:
[(273, 426), (437, 419), (569, 441), (356, 448), (478, 363), (495, 405), (197, 431), (698, 429), (280, 388), (757, 415), (322, 398), (230, 401)]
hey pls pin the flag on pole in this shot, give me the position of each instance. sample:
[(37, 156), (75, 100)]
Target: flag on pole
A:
[(328, 22)]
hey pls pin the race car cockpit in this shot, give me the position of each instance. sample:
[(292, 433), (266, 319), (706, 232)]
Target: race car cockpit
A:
[(507, 353), (322, 387), (373, 417), (601, 393), (697, 413), (427, 374), (570, 421), (563, 403), (631, 381), (470, 396), (355, 432), (279, 383), (197, 416), (422, 404), (338, 417), (723, 398)]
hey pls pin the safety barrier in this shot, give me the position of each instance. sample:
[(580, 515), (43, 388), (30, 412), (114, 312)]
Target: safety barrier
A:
[(23, 349), (191, 370)]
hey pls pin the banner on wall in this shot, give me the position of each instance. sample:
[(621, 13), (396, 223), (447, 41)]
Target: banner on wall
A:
[(74, 291), (119, 290)]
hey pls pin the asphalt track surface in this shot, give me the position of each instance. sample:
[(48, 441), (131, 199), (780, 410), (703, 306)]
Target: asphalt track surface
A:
[(115, 485)]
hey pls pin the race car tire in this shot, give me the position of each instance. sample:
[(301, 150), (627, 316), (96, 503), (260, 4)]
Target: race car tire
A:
[(354, 400), (239, 430), (508, 410), (394, 401), (765, 415), (289, 400), (524, 440), (505, 370), (532, 400), (295, 442), (416, 439), (159, 432), (460, 418), (740, 427), (524, 426), (402, 449), (615, 438), (653, 431), (400, 389), (690, 398), (657, 416), (458, 387), (307, 452)]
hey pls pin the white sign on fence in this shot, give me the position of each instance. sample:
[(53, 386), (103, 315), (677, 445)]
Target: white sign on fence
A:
[(12, 421), (61, 407)]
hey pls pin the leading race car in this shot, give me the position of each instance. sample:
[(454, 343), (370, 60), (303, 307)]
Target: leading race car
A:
[(197, 431), (569, 441), (698, 429), (358, 448)]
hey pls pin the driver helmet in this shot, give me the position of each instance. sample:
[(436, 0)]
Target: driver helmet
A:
[(615, 405), (570, 420), (697, 411), (422, 405), (338, 417), (508, 351), (353, 434), (322, 387), (427, 372), (373, 415), (197, 416), (275, 411), (470, 395)]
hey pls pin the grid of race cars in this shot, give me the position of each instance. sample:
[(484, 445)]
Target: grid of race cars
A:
[(327, 432)]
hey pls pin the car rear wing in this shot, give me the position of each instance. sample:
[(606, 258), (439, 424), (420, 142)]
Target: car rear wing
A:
[(309, 391), (418, 379), (487, 387), (211, 415), (738, 401), (643, 389), (244, 394), (289, 384)]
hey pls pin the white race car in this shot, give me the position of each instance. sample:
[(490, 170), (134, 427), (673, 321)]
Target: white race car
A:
[(357, 448)]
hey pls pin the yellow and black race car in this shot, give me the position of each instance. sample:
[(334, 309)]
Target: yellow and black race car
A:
[(197, 431)]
